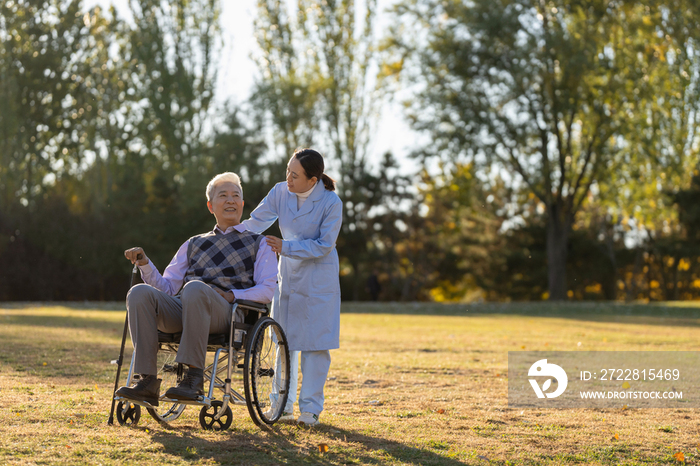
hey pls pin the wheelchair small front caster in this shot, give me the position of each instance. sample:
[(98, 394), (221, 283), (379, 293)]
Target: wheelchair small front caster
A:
[(206, 417), (128, 414)]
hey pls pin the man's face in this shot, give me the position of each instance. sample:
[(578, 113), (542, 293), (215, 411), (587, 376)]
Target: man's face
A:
[(226, 204)]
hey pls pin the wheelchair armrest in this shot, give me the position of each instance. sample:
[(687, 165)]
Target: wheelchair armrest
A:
[(252, 305)]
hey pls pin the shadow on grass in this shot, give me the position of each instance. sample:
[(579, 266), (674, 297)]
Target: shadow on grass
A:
[(677, 314), (279, 445)]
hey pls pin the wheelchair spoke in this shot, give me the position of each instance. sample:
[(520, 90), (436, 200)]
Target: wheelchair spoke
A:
[(266, 372), (170, 372)]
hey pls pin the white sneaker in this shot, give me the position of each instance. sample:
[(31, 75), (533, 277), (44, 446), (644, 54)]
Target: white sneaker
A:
[(285, 417), (308, 419)]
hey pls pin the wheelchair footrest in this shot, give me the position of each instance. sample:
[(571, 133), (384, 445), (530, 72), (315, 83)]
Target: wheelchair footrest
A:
[(145, 404), (203, 401)]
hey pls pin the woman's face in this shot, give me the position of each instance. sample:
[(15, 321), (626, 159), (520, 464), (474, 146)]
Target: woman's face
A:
[(297, 181)]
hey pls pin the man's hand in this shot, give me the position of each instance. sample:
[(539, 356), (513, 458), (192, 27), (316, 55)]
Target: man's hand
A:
[(227, 295), (133, 255), (275, 244)]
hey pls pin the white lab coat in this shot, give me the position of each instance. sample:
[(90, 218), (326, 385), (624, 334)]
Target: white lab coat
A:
[(307, 305)]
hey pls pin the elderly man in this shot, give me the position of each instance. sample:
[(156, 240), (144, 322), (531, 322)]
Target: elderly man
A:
[(216, 268)]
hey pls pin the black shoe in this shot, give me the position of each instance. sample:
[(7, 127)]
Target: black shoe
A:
[(189, 388), (146, 389)]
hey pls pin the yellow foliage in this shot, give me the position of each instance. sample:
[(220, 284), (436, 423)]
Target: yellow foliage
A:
[(654, 284), (595, 288), (438, 295), (683, 265)]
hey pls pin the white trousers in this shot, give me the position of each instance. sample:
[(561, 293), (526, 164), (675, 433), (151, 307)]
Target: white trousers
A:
[(314, 370)]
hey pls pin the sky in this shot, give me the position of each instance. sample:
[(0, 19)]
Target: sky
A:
[(237, 74)]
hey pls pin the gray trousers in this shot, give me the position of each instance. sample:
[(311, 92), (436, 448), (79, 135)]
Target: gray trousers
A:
[(197, 312)]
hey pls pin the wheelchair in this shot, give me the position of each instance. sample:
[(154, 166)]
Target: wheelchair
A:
[(258, 345)]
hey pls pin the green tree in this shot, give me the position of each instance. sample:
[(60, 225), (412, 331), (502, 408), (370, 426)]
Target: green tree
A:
[(546, 90), (41, 47), (453, 250), (286, 96)]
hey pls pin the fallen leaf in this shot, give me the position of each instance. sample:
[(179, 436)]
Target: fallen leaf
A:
[(80, 416), (680, 457), (522, 347), (68, 446), (323, 448), (624, 407), (615, 437), (625, 385), (441, 411), (44, 364)]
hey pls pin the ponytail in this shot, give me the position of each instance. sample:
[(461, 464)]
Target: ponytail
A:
[(328, 182)]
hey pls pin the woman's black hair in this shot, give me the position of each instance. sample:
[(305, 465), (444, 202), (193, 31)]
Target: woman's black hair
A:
[(312, 163)]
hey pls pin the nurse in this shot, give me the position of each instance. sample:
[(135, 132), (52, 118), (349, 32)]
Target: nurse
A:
[(307, 304)]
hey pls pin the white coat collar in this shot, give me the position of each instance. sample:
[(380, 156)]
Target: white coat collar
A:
[(308, 206)]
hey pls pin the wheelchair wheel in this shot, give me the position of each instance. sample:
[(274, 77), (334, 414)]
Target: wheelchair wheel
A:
[(128, 414), (170, 372), (206, 417), (266, 372)]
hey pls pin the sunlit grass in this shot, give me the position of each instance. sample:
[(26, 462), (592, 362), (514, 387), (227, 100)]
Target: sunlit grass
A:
[(411, 384)]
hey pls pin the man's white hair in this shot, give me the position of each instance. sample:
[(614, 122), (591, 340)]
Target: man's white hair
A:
[(223, 177)]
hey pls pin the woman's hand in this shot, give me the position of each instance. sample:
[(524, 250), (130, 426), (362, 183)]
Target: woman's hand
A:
[(275, 243)]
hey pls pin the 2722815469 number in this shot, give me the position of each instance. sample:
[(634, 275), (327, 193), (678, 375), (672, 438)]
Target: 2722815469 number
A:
[(637, 374)]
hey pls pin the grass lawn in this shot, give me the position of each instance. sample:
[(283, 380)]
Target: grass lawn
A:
[(411, 384)]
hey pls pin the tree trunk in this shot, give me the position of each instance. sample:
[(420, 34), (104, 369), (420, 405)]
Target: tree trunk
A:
[(610, 287), (558, 226)]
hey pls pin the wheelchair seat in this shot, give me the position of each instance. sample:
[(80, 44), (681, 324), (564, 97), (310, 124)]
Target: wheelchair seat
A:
[(215, 339), (221, 339)]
